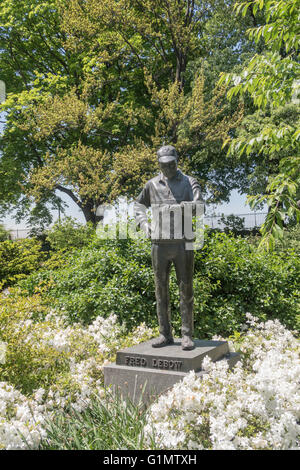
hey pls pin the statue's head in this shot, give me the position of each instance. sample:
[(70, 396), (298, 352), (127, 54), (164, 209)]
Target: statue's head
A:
[(167, 160)]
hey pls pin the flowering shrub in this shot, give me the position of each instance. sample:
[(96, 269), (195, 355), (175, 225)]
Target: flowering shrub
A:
[(50, 365), (254, 406), (20, 419)]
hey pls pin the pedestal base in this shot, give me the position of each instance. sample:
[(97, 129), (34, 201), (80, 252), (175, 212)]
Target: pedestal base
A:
[(143, 372)]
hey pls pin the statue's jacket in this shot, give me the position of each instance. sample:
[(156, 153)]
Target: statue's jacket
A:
[(164, 197)]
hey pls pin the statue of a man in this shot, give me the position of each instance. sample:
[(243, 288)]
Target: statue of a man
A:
[(170, 189)]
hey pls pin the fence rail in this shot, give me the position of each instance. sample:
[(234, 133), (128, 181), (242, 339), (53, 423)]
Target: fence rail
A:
[(19, 233), (250, 221)]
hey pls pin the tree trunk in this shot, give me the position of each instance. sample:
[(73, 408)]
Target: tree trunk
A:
[(88, 207), (89, 212), (180, 69)]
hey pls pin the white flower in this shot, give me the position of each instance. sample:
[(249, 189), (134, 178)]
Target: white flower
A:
[(253, 407)]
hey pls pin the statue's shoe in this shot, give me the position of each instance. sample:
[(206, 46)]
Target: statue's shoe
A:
[(162, 341), (187, 343)]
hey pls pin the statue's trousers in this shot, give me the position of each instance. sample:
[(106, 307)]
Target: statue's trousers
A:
[(163, 255)]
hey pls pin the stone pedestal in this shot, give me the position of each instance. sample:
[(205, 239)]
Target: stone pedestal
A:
[(144, 372)]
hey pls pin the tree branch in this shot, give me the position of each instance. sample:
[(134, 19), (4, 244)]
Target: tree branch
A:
[(70, 194)]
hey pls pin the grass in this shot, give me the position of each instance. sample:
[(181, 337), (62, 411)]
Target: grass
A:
[(107, 423)]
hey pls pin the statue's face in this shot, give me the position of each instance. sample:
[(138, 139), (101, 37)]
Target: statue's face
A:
[(168, 169)]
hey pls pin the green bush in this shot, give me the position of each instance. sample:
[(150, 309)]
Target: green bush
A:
[(69, 234), (19, 258), (291, 240), (104, 278), (231, 278), (4, 234), (240, 279)]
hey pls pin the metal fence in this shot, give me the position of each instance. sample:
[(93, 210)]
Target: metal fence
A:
[(250, 221), (17, 234)]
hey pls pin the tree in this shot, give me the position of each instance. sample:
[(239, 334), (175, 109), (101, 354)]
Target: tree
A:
[(32, 59), (270, 80), (92, 89), (265, 165), (232, 222)]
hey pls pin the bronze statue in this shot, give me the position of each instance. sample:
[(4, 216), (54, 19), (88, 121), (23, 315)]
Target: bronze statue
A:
[(165, 193)]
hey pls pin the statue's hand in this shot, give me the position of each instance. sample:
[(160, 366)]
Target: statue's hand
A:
[(146, 229)]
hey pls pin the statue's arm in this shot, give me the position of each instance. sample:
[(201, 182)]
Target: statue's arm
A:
[(142, 203), (197, 193)]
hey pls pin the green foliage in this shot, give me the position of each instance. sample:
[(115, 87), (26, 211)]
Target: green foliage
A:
[(281, 198), (31, 49), (260, 152), (41, 348), (4, 234), (282, 21), (94, 279), (231, 278), (69, 234), (28, 364), (271, 81), (79, 109), (290, 240), (19, 258), (88, 430), (241, 280), (232, 222)]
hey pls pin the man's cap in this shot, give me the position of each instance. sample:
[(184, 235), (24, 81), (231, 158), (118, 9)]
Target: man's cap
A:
[(167, 153)]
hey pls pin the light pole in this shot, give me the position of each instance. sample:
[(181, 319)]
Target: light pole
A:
[(2, 92), (2, 95)]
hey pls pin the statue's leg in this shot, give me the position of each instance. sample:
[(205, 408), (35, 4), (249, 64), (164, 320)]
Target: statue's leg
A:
[(184, 265), (161, 267)]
